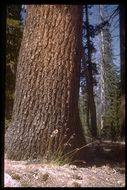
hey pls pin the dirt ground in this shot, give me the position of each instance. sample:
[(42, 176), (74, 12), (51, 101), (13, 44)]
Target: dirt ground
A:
[(104, 171)]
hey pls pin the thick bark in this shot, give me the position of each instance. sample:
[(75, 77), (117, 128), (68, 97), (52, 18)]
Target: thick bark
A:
[(122, 54), (47, 83), (92, 106)]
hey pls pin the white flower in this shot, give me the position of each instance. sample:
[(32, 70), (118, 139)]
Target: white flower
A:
[(54, 133)]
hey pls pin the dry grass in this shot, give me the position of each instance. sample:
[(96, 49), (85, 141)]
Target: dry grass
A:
[(49, 175)]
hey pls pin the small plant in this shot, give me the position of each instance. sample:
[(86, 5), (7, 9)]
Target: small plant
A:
[(16, 176), (24, 184), (77, 177), (59, 156), (75, 184), (45, 177), (7, 123)]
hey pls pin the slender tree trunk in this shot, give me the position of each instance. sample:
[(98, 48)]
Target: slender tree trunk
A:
[(87, 87), (88, 112), (92, 106), (122, 53), (47, 83), (102, 72)]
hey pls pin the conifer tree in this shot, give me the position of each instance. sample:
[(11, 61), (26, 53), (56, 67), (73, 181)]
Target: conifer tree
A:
[(45, 112)]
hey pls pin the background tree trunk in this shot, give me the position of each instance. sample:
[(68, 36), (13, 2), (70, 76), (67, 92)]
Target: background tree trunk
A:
[(87, 87), (47, 82), (92, 107), (102, 69)]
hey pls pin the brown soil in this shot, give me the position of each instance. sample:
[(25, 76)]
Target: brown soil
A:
[(104, 166)]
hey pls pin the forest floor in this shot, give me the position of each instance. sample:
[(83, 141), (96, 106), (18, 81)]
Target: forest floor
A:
[(104, 167)]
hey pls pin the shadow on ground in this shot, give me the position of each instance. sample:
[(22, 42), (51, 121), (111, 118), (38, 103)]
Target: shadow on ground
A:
[(104, 153)]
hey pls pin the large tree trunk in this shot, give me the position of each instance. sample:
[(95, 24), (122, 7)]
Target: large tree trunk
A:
[(47, 83)]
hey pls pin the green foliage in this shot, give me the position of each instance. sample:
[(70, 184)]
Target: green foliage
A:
[(112, 80), (13, 23), (82, 110), (83, 116), (13, 41), (88, 75), (113, 112), (112, 91), (7, 123)]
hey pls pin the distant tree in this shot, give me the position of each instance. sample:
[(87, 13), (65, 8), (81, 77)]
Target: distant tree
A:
[(102, 71), (82, 110), (89, 71), (84, 90), (45, 112), (110, 88)]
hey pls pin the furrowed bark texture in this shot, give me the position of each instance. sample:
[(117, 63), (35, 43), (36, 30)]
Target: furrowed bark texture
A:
[(47, 82)]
